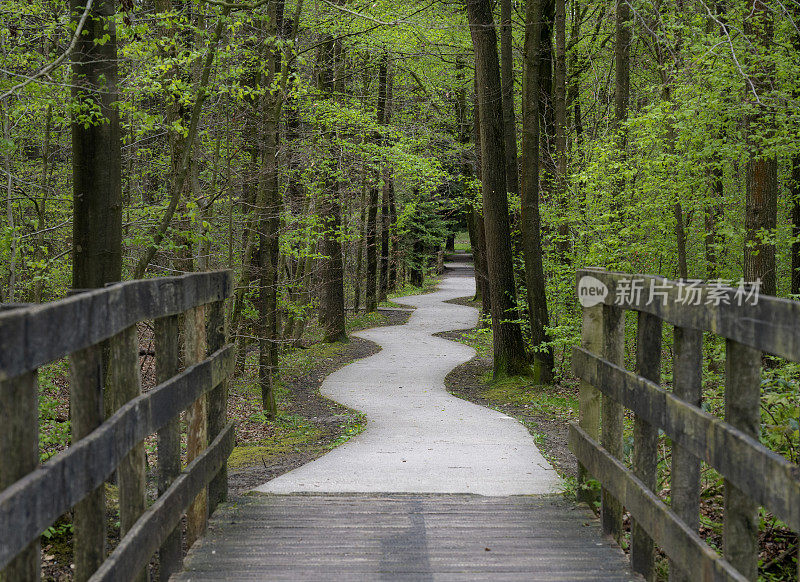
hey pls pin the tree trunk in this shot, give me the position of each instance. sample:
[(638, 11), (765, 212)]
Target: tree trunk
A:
[(761, 198), (481, 268), (509, 349), (96, 153), (531, 221), (560, 108), (509, 116), (332, 314)]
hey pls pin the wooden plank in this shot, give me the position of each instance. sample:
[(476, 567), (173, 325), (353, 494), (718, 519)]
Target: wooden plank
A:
[(687, 384), (613, 351), (155, 525), (742, 411), (767, 477), (169, 439), (645, 444), (217, 402), (770, 325), (124, 385), (589, 397), (196, 420), (24, 505), (19, 455), (683, 545), (31, 504), (406, 537), (34, 336)]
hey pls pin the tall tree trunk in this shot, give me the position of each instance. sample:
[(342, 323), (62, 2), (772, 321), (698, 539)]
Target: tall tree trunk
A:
[(479, 252), (547, 120), (96, 153), (362, 224), (622, 51), (531, 221), (386, 225), (269, 223), (560, 109), (761, 198), (509, 349), (507, 78), (371, 298), (332, 314)]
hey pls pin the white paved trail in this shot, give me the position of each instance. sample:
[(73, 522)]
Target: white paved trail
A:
[(419, 438)]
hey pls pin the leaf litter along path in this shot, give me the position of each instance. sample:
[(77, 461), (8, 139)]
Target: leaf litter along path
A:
[(419, 438), (434, 489)]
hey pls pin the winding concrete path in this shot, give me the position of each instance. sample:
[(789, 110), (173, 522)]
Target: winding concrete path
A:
[(419, 438)]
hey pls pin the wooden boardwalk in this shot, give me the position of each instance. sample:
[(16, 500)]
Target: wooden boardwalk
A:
[(404, 537)]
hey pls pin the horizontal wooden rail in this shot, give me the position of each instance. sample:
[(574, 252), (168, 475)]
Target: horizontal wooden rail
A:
[(767, 477), (31, 337), (684, 546), (770, 325), (153, 527), (37, 500)]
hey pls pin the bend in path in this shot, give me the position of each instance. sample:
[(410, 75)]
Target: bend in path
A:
[(419, 438)]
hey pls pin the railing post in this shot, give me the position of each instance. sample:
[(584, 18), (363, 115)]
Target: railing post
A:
[(169, 438), (687, 377), (645, 444), (217, 403), (19, 455), (589, 397), (614, 352), (743, 411), (87, 379), (197, 419), (125, 385)]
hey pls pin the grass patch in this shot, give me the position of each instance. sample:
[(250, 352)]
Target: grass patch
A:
[(520, 391)]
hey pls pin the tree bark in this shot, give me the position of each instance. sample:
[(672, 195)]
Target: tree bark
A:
[(560, 108), (531, 221), (509, 349), (761, 197), (507, 79), (96, 153), (332, 314)]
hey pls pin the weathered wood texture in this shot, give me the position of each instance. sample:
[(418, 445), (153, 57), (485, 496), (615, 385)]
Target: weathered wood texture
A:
[(169, 439), (163, 517), (682, 544), (645, 439), (766, 477), (589, 397), (194, 334), (687, 370), (19, 455), (743, 411), (405, 537), (97, 330), (125, 385), (87, 377), (611, 437), (217, 401), (754, 475), (770, 325), (34, 502), (34, 336)]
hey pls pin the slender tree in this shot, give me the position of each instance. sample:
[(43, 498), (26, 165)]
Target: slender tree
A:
[(531, 221), (509, 349)]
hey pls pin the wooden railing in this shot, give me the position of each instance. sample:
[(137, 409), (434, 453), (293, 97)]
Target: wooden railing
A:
[(754, 475), (110, 418)]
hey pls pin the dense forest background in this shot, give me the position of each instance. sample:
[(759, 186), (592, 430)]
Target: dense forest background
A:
[(328, 152)]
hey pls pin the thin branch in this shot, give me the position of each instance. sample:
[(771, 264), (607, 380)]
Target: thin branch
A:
[(46, 70)]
